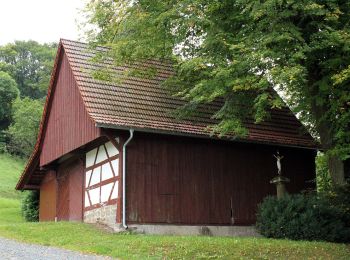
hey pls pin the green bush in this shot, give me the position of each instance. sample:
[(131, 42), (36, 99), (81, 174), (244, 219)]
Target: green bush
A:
[(323, 178), (303, 217), (30, 206), (339, 198), (2, 142)]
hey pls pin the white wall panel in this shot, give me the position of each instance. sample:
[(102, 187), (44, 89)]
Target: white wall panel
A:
[(96, 178), (115, 191), (87, 178), (111, 149), (106, 191), (115, 165), (95, 196), (90, 158), (107, 171), (86, 200), (101, 156)]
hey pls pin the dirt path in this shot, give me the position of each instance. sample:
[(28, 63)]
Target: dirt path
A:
[(10, 249)]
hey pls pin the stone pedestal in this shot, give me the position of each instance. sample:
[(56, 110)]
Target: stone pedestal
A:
[(280, 182)]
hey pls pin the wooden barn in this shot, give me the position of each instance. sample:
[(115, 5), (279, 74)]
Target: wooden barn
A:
[(113, 153)]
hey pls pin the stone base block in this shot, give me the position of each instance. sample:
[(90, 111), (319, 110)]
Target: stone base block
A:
[(239, 231)]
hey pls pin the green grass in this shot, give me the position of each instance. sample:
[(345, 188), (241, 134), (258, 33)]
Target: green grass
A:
[(88, 239), (10, 170)]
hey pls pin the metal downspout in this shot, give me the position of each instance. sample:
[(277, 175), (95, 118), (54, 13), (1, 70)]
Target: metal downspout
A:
[(124, 174)]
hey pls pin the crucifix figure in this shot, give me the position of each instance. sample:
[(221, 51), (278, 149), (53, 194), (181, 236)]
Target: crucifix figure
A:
[(279, 165)]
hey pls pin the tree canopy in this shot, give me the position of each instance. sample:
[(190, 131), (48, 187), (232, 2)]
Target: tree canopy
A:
[(25, 69), (30, 64), (240, 50), (24, 128), (8, 93)]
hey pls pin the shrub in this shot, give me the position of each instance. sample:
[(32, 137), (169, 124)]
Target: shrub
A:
[(339, 198), (30, 206), (2, 142), (303, 217), (323, 178)]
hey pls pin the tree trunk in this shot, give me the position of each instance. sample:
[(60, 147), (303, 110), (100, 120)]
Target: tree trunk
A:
[(336, 168), (325, 130), (335, 165)]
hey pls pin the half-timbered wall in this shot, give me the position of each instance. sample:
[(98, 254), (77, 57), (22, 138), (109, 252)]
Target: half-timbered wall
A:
[(69, 125), (180, 180), (101, 191)]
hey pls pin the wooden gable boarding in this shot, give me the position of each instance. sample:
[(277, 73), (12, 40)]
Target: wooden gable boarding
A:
[(68, 125)]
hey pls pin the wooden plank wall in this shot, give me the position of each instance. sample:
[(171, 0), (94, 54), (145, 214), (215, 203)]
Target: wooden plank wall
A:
[(69, 125), (182, 180)]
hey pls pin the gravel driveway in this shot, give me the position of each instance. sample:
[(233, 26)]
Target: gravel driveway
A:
[(10, 249)]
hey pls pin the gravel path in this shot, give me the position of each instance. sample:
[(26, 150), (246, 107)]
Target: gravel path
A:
[(14, 250)]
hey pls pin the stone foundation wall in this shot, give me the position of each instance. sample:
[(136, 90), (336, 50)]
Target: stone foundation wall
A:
[(181, 230), (105, 215)]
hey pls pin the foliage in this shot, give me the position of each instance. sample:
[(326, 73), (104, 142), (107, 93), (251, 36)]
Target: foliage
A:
[(323, 179), (339, 198), (30, 206), (2, 142), (238, 51), (24, 128), (30, 64), (303, 217), (8, 92)]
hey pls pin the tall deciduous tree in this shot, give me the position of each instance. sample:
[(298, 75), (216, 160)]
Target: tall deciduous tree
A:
[(8, 93), (30, 64), (237, 50), (25, 124)]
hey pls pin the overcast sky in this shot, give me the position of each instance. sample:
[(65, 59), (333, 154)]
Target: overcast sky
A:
[(39, 20)]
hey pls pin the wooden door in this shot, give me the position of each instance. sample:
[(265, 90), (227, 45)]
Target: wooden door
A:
[(48, 188), (76, 191), (63, 194), (70, 191)]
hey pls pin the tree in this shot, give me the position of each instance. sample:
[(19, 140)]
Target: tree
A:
[(8, 92), (239, 50), (23, 131), (30, 64)]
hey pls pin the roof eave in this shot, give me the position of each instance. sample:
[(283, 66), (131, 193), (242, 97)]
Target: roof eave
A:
[(214, 137)]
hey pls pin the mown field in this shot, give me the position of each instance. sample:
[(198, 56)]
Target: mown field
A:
[(88, 239)]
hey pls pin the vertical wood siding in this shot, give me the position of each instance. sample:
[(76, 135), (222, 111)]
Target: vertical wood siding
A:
[(48, 187), (69, 125), (70, 190), (182, 180)]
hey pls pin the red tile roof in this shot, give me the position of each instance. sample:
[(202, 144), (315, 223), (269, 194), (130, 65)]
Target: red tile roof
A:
[(142, 103)]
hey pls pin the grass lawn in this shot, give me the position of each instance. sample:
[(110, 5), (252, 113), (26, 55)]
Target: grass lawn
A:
[(85, 238), (10, 170)]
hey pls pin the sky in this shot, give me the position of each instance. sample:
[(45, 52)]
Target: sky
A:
[(39, 20)]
